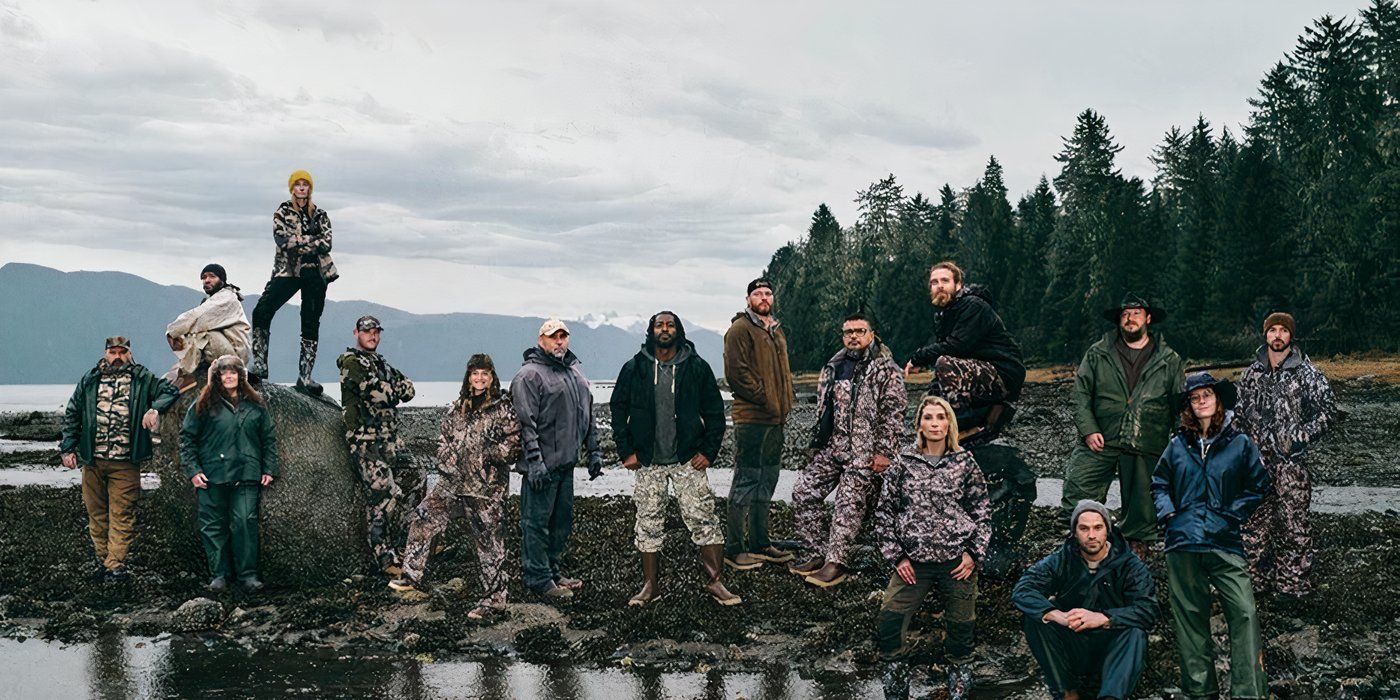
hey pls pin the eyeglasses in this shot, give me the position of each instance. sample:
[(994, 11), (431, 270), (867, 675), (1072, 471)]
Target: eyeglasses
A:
[(855, 331), (1201, 397)]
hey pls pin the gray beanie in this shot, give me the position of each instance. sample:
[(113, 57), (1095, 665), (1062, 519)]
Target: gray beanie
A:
[(1090, 506)]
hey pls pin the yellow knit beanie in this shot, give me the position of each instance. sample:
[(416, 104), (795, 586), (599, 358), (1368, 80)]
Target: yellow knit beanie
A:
[(300, 175)]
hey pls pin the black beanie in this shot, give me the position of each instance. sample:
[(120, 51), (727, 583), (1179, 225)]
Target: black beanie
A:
[(218, 271), (760, 282)]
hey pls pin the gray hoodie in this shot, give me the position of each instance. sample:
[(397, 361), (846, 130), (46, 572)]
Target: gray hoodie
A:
[(555, 407)]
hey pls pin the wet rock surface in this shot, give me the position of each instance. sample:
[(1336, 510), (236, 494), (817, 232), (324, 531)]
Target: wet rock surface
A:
[(198, 614)]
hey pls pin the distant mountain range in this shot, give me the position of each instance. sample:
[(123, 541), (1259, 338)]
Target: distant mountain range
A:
[(52, 325)]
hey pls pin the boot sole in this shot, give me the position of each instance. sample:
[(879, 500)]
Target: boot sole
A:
[(637, 603), (824, 584), (804, 572), (742, 567), (773, 560), (727, 601)]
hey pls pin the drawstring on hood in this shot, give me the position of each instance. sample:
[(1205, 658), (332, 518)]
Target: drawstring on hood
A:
[(684, 348)]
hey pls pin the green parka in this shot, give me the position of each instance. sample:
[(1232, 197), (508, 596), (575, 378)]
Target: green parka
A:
[(80, 417), (1142, 422), (230, 445)]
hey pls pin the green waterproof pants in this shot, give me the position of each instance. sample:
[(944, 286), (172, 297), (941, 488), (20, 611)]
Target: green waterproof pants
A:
[(1190, 576), (1089, 474), (758, 459), (228, 527)]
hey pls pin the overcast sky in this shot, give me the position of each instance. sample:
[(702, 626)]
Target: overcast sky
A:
[(541, 158)]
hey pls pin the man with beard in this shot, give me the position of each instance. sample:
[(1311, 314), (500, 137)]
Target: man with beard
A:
[(1124, 394), (554, 403), (107, 428), (756, 368), (370, 393), (976, 363), (668, 421), (1285, 404), (1088, 607), (215, 328), (861, 393)]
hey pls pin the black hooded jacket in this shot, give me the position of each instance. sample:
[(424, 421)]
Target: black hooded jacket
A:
[(699, 407), (1122, 588), (970, 328)]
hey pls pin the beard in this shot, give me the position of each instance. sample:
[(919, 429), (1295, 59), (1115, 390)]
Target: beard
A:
[(1279, 345), (558, 352), (1134, 335), (666, 342), (1090, 549), (940, 298)]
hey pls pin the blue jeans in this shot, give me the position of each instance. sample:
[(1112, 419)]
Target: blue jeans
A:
[(546, 519)]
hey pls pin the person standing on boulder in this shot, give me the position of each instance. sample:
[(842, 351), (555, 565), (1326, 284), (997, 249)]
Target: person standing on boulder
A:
[(1207, 482), (215, 328), (756, 369), (976, 363), (107, 428), (862, 398), (1125, 394), (1285, 405), (554, 403), (228, 451), (478, 445), (1088, 608), (370, 392), (933, 523), (302, 232), (668, 422)]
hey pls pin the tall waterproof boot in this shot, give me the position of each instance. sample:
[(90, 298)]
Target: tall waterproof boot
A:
[(651, 588), (895, 678), (305, 384), (712, 563), (257, 368)]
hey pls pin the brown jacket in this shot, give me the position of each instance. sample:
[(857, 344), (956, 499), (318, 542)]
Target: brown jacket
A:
[(756, 368)]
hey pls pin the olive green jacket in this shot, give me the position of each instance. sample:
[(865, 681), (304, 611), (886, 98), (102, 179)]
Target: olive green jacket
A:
[(230, 445), (1142, 422)]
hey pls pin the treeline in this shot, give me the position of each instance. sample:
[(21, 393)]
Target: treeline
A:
[(1300, 212)]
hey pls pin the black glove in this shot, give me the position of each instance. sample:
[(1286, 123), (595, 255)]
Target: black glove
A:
[(537, 474), (595, 468)]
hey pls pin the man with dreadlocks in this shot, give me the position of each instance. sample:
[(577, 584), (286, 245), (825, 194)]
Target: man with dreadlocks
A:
[(214, 328)]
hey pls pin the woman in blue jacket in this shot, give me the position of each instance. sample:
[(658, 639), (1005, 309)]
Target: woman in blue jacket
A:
[(1208, 481)]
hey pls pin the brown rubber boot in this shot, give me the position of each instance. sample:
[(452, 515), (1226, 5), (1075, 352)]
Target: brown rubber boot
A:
[(651, 569), (712, 561), (829, 575)]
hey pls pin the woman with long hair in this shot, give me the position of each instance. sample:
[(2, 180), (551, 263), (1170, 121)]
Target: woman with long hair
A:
[(1207, 483), (228, 450), (479, 443), (933, 524)]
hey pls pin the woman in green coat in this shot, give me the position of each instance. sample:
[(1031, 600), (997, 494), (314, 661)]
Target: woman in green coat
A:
[(228, 449)]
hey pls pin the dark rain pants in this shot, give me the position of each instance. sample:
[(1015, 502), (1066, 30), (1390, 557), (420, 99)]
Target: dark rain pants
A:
[(228, 527), (279, 290), (758, 459), (1071, 660)]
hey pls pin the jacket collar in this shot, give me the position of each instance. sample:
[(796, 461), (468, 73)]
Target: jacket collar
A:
[(1292, 361)]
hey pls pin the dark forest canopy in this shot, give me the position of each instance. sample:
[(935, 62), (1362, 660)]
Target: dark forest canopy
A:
[(1300, 212)]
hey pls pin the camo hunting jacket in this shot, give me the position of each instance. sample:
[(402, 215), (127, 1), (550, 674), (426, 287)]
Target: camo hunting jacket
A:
[(370, 392), (477, 449), (303, 240), (1283, 410), (869, 407), (933, 509)]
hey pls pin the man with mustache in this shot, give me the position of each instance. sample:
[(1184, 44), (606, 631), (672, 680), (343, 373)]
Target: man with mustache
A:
[(976, 363), (107, 428), (1123, 407), (1285, 404), (215, 328)]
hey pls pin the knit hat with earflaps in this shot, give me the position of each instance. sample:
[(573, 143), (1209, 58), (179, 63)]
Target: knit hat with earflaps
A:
[(233, 362), (300, 175)]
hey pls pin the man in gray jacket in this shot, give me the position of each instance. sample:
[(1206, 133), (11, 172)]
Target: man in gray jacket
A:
[(552, 399)]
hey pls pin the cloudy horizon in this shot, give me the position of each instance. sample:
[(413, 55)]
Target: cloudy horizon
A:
[(565, 158)]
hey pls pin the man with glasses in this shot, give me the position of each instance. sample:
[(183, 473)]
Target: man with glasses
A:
[(862, 398)]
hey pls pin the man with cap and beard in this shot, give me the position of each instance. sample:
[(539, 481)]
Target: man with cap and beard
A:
[(1285, 404), (756, 368), (215, 328), (668, 421), (107, 428), (554, 403), (1124, 393), (370, 392), (302, 232), (1088, 607)]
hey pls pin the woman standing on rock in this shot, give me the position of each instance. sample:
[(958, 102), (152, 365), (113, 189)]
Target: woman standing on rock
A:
[(479, 443), (228, 449), (933, 523)]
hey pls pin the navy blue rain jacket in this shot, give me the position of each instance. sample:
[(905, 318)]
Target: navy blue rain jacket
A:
[(1203, 499)]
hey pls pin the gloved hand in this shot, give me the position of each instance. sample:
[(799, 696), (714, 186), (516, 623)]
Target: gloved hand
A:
[(595, 467), (537, 474)]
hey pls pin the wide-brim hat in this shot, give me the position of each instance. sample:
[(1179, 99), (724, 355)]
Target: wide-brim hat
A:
[(1133, 301), (1225, 391)]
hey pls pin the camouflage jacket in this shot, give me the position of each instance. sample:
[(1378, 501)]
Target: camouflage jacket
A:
[(303, 240), (1284, 409), (869, 406), (476, 449), (370, 392), (933, 509)]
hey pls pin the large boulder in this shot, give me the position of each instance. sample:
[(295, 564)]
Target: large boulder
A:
[(313, 515)]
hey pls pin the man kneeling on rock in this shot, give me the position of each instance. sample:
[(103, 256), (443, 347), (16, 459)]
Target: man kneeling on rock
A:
[(668, 421), (1088, 607), (215, 328)]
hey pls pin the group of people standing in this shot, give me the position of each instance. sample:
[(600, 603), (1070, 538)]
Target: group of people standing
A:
[(1226, 481)]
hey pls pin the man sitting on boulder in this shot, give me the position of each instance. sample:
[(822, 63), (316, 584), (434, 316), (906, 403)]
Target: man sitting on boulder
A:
[(215, 328)]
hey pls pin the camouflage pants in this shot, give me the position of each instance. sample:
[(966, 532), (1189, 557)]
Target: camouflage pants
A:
[(693, 493), (391, 492), (1277, 537), (967, 383), (485, 518), (853, 484)]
